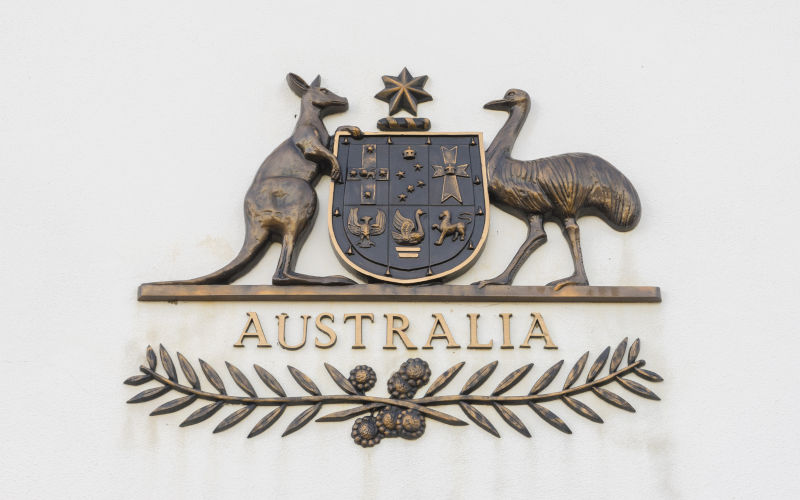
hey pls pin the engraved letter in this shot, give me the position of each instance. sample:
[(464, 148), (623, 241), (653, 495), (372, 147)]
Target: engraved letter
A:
[(326, 330), (252, 319), (282, 331), (359, 317), (473, 333), (440, 322), (506, 331), (539, 321), (391, 330)]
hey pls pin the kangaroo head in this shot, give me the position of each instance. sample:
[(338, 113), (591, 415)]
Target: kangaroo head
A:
[(513, 98), (445, 213), (323, 99)]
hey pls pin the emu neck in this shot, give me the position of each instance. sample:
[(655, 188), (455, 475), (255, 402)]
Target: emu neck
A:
[(504, 140)]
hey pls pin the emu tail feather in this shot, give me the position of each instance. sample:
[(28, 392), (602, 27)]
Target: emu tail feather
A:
[(614, 198), (578, 184), (622, 209)]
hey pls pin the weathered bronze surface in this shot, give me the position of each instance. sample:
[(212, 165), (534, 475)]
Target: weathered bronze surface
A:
[(559, 188), (403, 92), (389, 292), (419, 181), (390, 123), (432, 190), (400, 414), (281, 203)]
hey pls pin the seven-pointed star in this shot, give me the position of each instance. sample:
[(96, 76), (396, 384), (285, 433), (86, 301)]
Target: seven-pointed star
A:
[(403, 92)]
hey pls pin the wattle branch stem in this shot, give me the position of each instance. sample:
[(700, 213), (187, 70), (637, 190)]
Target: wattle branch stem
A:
[(406, 403)]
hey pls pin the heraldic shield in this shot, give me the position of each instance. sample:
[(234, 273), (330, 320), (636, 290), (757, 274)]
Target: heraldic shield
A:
[(409, 207)]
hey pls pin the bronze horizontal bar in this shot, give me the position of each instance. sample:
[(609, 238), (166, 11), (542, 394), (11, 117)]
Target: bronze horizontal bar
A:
[(395, 293)]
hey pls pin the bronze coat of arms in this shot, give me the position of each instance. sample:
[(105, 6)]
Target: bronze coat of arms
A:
[(409, 207)]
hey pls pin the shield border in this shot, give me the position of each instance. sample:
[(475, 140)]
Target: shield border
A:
[(462, 267)]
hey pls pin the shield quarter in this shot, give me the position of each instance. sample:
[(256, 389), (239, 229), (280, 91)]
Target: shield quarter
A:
[(410, 207)]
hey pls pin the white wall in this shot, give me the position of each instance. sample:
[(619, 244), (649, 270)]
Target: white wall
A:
[(129, 133)]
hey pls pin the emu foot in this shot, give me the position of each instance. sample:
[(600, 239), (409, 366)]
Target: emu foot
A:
[(498, 280), (568, 281), (303, 279)]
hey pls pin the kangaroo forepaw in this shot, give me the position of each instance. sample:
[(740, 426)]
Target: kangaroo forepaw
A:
[(354, 131)]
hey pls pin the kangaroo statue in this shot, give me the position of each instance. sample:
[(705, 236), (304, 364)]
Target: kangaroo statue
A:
[(281, 202)]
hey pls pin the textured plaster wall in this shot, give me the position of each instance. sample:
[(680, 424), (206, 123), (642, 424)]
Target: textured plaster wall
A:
[(129, 132)]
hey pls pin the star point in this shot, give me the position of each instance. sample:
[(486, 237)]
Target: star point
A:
[(404, 92)]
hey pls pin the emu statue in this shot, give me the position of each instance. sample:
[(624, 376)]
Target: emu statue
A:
[(559, 188)]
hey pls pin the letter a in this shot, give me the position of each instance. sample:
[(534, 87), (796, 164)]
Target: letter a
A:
[(252, 319), (539, 321)]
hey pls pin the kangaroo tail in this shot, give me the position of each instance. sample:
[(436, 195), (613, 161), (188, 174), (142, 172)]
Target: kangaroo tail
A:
[(467, 217), (251, 252)]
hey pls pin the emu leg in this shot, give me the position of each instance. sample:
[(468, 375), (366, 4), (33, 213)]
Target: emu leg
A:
[(285, 275), (572, 234), (536, 238)]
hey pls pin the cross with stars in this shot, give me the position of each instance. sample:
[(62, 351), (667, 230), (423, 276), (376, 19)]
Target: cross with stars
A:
[(403, 92), (450, 171)]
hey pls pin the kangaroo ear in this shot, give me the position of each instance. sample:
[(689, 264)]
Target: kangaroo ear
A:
[(297, 84), (317, 81)]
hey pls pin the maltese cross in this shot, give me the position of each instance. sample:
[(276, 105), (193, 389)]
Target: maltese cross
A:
[(450, 171)]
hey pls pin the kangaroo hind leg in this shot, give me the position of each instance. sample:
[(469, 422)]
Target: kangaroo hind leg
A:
[(285, 274)]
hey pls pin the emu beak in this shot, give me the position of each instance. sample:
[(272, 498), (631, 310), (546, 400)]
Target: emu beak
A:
[(498, 105)]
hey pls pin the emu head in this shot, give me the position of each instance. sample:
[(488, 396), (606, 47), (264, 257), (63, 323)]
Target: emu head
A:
[(512, 99), (323, 99)]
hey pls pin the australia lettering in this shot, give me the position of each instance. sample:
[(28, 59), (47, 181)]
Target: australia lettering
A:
[(393, 331)]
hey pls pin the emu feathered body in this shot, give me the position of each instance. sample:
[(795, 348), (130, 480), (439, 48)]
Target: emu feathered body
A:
[(567, 185), (560, 188)]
